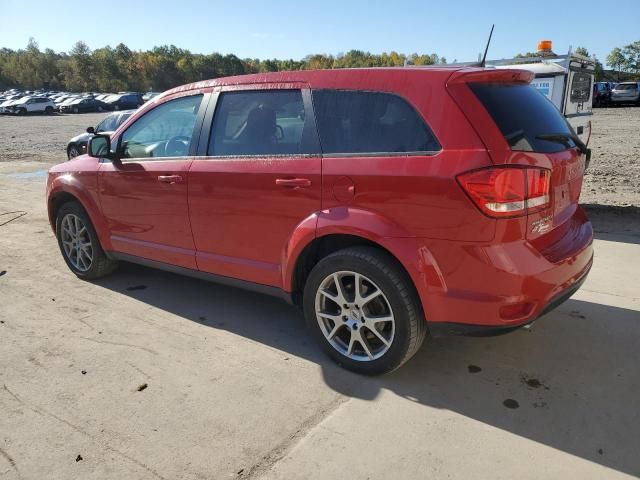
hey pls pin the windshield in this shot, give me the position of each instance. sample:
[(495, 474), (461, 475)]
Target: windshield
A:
[(526, 118)]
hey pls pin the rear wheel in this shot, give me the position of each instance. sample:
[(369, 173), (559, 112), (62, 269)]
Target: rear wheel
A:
[(22, 111), (79, 243), (363, 310)]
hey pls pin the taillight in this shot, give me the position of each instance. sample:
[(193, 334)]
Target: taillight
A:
[(507, 191)]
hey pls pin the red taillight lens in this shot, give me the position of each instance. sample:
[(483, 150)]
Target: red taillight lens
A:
[(507, 191)]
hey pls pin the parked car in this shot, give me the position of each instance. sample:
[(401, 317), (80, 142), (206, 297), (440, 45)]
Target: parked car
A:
[(386, 203), (82, 105), (124, 101), (9, 100), (601, 94), (32, 105), (626, 92), (149, 95), (78, 144)]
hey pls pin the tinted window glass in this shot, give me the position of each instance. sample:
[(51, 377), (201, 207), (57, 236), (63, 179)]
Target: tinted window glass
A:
[(627, 86), (369, 122), (524, 115), (165, 131), (269, 122), (580, 87), (107, 125)]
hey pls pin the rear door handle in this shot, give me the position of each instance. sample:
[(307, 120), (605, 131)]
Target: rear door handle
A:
[(293, 182), (169, 178)]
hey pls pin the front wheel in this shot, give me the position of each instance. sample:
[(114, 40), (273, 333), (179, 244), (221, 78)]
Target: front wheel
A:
[(363, 310), (48, 111), (22, 111), (79, 243)]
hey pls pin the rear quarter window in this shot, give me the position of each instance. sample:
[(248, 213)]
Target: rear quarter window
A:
[(523, 115), (361, 122)]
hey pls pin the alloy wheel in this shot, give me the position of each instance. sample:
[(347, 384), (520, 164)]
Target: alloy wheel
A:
[(355, 316), (76, 242)]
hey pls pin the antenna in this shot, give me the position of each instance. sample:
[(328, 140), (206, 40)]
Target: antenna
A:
[(484, 57)]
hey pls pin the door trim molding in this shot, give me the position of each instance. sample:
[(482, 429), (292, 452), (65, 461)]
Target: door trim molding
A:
[(209, 277)]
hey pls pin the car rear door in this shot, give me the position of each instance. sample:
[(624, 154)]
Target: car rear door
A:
[(144, 196), (259, 176)]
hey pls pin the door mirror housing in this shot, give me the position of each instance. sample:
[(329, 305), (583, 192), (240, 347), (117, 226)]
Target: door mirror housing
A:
[(91, 130), (100, 147)]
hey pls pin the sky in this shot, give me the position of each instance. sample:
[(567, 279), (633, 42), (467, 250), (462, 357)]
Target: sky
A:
[(281, 29)]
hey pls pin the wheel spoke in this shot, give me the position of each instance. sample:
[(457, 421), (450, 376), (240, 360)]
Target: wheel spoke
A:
[(334, 318), (375, 320), (363, 341), (335, 330), (342, 298), (375, 331)]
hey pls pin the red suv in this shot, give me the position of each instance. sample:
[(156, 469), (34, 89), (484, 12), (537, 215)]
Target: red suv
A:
[(387, 203)]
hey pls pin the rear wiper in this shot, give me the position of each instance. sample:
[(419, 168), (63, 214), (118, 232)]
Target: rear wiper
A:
[(564, 139)]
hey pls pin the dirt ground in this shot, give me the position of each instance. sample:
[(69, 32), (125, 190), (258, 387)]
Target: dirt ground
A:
[(148, 375)]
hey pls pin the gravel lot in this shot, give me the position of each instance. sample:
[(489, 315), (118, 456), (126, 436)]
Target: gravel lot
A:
[(148, 375)]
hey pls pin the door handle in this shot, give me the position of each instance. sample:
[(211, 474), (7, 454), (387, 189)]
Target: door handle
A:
[(169, 178), (293, 182)]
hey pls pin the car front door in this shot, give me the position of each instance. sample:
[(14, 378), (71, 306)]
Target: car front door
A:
[(144, 195), (259, 177)]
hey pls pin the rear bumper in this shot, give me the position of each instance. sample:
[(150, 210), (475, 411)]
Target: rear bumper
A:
[(504, 286), (445, 329)]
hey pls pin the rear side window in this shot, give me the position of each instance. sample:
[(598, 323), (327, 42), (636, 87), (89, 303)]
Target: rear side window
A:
[(266, 122), (526, 118), (359, 122), (580, 87)]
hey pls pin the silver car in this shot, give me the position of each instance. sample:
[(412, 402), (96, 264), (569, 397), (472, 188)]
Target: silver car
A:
[(626, 92)]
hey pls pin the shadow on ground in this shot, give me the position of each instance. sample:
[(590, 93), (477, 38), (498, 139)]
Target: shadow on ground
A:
[(571, 382)]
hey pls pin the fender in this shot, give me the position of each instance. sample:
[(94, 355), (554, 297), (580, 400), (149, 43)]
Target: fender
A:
[(69, 183), (414, 256)]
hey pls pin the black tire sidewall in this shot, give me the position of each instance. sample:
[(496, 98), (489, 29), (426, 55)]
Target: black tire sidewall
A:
[(401, 342), (75, 209)]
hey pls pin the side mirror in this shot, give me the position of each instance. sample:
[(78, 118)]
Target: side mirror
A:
[(99, 146), (91, 130)]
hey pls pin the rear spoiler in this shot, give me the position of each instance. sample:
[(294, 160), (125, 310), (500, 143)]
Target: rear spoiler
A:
[(483, 75)]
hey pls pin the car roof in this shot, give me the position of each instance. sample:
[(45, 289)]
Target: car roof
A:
[(333, 78)]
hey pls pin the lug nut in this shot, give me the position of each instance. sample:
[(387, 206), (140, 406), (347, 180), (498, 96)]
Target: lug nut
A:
[(345, 318)]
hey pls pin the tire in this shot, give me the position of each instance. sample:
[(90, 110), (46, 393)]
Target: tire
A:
[(99, 108), (72, 152), (22, 111), (397, 301), (98, 265), (75, 110), (48, 111), (116, 107)]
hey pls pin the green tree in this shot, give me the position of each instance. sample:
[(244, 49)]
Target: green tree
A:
[(616, 60), (631, 54)]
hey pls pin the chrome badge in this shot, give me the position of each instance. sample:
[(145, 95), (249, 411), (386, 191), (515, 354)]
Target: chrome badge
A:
[(541, 225)]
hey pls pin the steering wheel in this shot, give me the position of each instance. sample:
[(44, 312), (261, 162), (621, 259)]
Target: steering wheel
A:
[(177, 146)]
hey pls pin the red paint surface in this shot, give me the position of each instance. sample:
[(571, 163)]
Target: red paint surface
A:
[(233, 217)]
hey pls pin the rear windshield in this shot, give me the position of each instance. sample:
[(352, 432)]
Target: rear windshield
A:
[(627, 86), (580, 87), (526, 118)]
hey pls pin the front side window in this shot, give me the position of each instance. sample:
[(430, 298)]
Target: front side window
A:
[(266, 122), (165, 131), (360, 122)]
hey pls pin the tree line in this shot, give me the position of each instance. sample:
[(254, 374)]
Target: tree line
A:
[(116, 69), (120, 69)]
